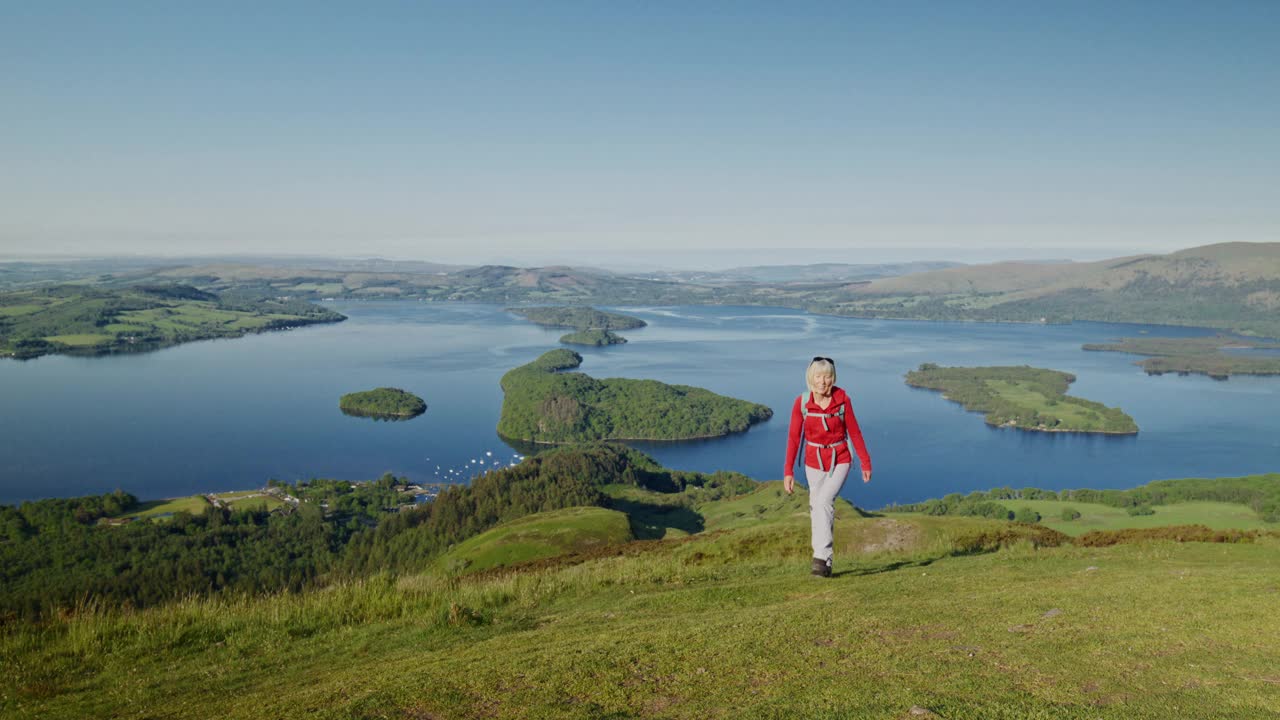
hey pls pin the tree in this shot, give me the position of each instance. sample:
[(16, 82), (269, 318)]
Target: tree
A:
[(1026, 515)]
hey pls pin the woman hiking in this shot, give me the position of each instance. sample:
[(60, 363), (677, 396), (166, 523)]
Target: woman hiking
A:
[(822, 420)]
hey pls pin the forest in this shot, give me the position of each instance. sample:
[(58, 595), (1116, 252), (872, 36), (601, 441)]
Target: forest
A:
[(61, 553), (1023, 397), (541, 404), (382, 402)]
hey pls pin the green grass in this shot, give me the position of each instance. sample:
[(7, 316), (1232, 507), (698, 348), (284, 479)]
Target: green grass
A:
[(541, 535), (318, 288), (125, 329), (249, 498), (767, 503), (723, 623), (189, 315), (1215, 515), (15, 310), (194, 504), (80, 339), (1025, 395)]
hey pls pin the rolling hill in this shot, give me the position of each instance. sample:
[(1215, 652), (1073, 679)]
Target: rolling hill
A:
[(1230, 286)]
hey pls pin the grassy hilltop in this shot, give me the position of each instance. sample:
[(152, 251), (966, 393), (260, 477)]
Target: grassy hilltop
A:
[(561, 614), (941, 614)]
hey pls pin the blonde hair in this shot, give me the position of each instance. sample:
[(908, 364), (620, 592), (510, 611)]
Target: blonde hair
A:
[(819, 367)]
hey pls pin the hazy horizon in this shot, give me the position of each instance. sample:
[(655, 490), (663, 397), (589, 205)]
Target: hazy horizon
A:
[(584, 133), (665, 261)]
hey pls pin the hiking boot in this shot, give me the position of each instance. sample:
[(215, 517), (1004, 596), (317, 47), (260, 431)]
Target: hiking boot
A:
[(821, 568)]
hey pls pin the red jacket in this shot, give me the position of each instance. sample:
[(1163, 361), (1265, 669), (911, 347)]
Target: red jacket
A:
[(811, 430)]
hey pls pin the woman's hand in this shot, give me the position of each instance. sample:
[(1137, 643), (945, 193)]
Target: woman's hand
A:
[(866, 476), (789, 484)]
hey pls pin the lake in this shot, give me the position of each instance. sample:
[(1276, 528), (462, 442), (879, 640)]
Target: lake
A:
[(230, 414)]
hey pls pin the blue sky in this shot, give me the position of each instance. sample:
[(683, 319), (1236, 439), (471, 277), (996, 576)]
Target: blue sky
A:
[(584, 131)]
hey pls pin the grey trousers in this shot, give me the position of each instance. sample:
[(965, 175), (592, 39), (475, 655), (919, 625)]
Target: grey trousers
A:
[(823, 489)]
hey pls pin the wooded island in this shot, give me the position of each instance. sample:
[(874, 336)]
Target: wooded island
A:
[(1023, 397), (593, 337), (543, 405), (1199, 355), (383, 402), (581, 318), (593, 327)]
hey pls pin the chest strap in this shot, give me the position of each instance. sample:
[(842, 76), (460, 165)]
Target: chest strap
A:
[(804, 412)]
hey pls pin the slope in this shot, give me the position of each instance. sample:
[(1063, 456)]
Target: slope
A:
[(964, 618)]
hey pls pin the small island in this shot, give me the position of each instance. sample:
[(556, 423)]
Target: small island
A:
[(593, 337), (578, 318), (384, 403), (593, 327), (1199, 355), (1023, 397), (545, 406)]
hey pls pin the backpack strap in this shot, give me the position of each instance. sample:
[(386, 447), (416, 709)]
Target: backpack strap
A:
[(804, 413)]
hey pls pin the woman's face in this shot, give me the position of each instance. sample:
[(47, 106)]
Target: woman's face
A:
[(822, 383)]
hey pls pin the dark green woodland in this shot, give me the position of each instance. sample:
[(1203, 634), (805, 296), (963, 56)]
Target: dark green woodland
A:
[(382, 402), (544, 405)]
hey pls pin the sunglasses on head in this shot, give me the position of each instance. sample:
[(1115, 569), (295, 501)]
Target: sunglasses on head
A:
[(819, 358)]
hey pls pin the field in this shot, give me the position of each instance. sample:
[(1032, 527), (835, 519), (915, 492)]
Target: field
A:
[(249, 498), (1216, 515), (15, 310), (80, 339), (962, 617), (193, 504), (1069, 414)]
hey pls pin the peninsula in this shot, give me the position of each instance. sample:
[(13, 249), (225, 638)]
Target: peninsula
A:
[(384, 402), (1023, 397), (1200, 355), (96, 320), (543, 405)]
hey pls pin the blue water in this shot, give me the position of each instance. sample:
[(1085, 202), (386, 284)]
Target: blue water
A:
[(230, 414)]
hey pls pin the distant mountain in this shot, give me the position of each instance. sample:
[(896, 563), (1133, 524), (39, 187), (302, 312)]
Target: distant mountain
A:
[(1232, 286), (1225, 264), (823, 272), (816, 272)]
